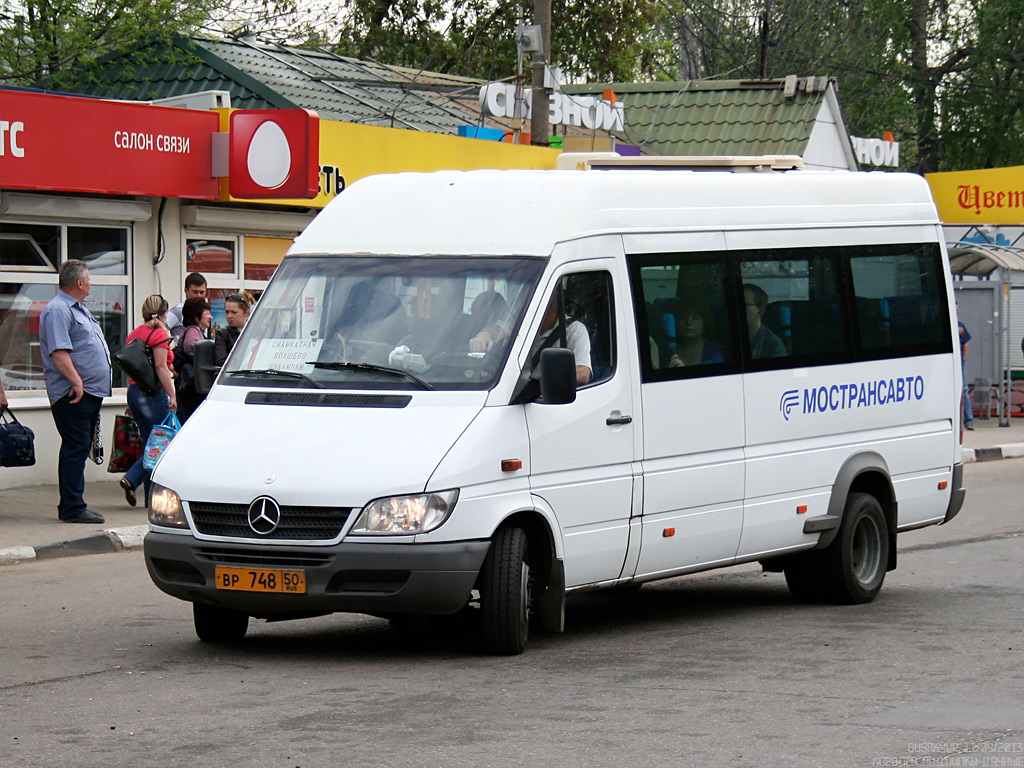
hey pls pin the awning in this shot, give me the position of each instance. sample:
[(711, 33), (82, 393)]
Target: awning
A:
[(981, 260)]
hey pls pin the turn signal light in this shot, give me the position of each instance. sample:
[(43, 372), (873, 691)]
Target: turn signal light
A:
[(943, 485), (802, 509), (511, 465), (668, 532)]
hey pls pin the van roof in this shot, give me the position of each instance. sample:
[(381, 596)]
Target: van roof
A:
[(525, 212)]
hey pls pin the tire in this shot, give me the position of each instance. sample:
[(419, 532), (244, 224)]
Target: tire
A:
[(505, 594), (219, 625), (852, 568)]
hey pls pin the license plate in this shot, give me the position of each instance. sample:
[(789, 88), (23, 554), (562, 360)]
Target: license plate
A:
[(261, 580)]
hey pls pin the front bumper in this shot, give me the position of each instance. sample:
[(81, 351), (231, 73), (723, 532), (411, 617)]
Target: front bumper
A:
[(356, 577)]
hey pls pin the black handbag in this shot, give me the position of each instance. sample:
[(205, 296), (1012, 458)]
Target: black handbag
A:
[(136, 360), (17, 442)]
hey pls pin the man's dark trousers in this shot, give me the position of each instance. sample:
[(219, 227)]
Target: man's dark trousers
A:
[(74, 424)]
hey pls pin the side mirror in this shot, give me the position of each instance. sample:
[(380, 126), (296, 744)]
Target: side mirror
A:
[(557, 376), (205, 368)]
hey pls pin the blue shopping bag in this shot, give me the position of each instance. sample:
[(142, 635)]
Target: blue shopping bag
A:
[(159, 438)]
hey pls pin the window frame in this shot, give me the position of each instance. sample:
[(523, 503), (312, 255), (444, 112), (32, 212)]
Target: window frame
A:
[(15, 275), (636, 263), (841, 256)]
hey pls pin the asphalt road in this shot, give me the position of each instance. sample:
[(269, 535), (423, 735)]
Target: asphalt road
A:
[(98, 668)]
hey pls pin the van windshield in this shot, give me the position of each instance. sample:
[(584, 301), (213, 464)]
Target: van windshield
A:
[(384, 323)]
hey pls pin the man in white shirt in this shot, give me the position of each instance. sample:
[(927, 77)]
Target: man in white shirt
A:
[(195, 287)]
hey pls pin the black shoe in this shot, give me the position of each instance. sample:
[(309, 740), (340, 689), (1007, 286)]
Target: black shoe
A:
[(88, 516), (129, 491)]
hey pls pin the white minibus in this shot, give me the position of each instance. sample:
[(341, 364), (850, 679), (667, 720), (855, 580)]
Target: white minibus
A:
[(483, 391)]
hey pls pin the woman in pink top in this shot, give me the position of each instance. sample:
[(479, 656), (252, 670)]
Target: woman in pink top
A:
[(150, 410)]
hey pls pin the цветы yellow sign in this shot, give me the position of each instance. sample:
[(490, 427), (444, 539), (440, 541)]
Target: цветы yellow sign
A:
[(993, 196), (350, 151)]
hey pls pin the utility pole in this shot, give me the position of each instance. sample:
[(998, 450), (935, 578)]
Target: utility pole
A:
[(539, 127)]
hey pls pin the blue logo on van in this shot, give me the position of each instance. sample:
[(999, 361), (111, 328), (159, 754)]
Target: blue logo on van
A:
[(843, 397), (790, 400)]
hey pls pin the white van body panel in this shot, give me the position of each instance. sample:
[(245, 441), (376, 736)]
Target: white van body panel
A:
[(581, 466), (527, 212), (349, 456)]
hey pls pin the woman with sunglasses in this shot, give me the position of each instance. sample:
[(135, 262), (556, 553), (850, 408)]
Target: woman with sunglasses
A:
[(236, 309)]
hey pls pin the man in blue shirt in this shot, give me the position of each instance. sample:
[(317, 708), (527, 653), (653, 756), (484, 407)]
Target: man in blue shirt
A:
[(76, 368)]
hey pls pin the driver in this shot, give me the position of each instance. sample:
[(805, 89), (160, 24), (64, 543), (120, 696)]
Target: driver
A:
[(576, 336)]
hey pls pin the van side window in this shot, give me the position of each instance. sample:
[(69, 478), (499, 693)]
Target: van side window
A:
[(900, 300), (579, 317), (683, 316), (793, 308)]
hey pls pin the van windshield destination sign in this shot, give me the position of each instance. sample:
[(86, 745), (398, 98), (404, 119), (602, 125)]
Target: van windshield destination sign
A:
[(842, 397)]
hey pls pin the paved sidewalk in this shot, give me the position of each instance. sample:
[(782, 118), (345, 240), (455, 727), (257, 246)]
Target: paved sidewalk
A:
[(30, 530)]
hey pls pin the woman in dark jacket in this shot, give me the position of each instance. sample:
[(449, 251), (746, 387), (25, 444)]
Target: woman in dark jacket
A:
[(236, 309), (196, 317)]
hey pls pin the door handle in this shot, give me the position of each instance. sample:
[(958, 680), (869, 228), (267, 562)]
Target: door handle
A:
[(614, 421)]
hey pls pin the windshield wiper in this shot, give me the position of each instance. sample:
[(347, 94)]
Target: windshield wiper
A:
[(337, 365), (255, 372)]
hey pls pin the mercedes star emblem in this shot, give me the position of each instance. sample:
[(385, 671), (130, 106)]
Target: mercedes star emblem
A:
[(264, 515)]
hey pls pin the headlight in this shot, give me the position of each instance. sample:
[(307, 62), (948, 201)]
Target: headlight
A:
[(405, 514), (165, 508)]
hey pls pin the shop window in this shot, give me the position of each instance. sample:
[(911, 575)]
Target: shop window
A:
[(102, 248), (30, 255), (210, 257), (262, 256), (29, 247), (21, 364)]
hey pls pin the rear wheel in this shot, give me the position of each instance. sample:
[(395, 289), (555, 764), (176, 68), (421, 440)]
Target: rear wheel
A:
[(852, 568), (505, 593), (219, 625)]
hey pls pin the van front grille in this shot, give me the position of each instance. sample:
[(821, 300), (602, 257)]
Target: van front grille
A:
[(297, 523), (266, 558)]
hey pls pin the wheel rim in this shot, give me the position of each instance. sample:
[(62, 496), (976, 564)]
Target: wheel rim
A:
[(866, 552)]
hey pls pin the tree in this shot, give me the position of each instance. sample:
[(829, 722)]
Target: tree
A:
[(44, 39), (592, 40), (58, 42)]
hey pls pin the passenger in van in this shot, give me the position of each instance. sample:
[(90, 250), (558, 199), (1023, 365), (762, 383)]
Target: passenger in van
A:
[(763, 341), (688, 345), (577, 338)]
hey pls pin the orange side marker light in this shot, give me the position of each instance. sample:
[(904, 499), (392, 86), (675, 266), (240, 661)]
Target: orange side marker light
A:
[(511, 465), (802, 509), (668, 532)]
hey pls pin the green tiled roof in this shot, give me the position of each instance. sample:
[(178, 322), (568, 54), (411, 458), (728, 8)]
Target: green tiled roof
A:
[(260, 76), (721, 117)]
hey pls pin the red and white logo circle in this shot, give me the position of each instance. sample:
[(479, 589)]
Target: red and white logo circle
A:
[(274, 154)]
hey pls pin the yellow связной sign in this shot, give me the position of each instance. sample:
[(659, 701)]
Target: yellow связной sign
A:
[(991, 196), (350, 151)]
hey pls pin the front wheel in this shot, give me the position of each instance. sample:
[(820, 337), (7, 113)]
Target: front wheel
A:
[(505, 591), (219, 625), (852, 568)]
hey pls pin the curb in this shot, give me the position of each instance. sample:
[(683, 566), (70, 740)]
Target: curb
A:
[(996, 452), (108, 540)]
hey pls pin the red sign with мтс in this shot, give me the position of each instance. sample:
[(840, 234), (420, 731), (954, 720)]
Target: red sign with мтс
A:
[(72, 144)]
